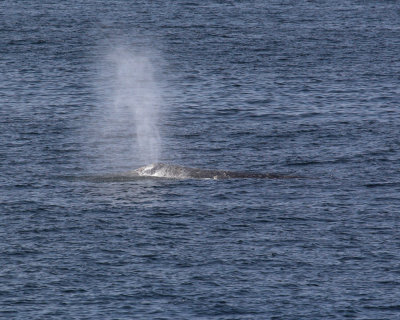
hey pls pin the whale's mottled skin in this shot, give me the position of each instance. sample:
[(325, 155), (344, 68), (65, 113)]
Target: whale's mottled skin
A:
[(163, 170)]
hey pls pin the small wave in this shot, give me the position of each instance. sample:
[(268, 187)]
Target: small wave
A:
[(120, 177), (382, 184)]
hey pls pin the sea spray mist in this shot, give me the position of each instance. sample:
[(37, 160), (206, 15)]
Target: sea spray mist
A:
[(137, 96), (125, 131)]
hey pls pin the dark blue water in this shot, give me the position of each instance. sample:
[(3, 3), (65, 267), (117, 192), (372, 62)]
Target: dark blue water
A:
[(300, 87)]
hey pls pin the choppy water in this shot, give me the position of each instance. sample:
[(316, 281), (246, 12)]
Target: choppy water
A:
[(299, 87)]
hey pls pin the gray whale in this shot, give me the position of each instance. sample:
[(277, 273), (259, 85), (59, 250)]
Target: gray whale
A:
[(163, 170)]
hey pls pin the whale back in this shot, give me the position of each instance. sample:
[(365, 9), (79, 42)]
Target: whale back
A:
[(163, 170)]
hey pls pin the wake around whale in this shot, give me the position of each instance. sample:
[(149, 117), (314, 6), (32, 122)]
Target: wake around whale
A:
[(162, 170)]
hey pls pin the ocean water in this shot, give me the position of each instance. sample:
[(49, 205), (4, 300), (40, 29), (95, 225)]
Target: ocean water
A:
[(92, 89)]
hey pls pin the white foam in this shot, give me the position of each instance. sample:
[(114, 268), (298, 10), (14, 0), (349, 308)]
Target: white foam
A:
[(162, 171)]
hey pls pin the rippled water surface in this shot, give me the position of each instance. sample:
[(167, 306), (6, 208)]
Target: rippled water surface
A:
[(91, 90)]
